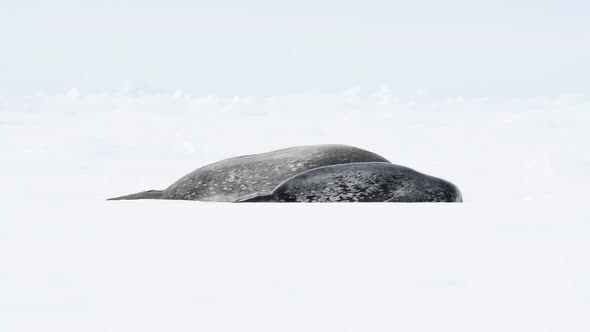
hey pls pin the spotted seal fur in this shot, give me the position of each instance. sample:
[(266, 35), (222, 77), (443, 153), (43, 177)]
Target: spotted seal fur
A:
[(362, 182), (258, 174)]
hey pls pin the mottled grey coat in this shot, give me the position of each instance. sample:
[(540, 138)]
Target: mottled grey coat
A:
[(258, 174), (362, 182)]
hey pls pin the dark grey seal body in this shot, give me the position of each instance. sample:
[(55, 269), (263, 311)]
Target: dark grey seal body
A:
[(362, 182), (236, 178)]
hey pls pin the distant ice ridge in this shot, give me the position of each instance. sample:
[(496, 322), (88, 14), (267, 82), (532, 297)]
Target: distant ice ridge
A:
[(382, 99)]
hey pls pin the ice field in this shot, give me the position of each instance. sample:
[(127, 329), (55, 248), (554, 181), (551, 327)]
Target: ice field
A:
[(513, 257)]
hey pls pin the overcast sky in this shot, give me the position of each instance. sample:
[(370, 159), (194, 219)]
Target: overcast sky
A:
[(468, 48)]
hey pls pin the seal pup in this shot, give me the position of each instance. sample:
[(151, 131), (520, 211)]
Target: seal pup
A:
[(258, 174), (362, 182)]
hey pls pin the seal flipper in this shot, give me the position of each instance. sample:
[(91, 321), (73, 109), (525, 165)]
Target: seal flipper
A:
[(150, 194), (256, 198)]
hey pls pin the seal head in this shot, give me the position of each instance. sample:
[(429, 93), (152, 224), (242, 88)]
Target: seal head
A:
[(362, 182)]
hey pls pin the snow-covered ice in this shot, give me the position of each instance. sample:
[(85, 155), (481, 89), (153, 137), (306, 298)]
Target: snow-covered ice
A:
[(513, 257)]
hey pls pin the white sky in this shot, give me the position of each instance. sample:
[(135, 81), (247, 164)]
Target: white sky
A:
[(492, 48)]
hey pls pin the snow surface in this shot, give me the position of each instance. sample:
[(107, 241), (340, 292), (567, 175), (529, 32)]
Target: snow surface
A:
[(513, 257)]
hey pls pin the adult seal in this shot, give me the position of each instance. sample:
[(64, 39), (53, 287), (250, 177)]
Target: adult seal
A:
[(362, 182), (233, 179)]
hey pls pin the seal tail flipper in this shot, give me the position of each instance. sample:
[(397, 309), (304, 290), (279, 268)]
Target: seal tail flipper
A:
[(256, 199), (150, 194)]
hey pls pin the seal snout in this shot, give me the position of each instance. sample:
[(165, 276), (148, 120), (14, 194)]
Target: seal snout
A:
[(458, 196)]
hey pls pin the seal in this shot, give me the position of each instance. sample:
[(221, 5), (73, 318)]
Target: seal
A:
[(362, 182), (234, 179)]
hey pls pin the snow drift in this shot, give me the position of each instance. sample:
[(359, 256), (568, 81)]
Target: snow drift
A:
[(512, 257)]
